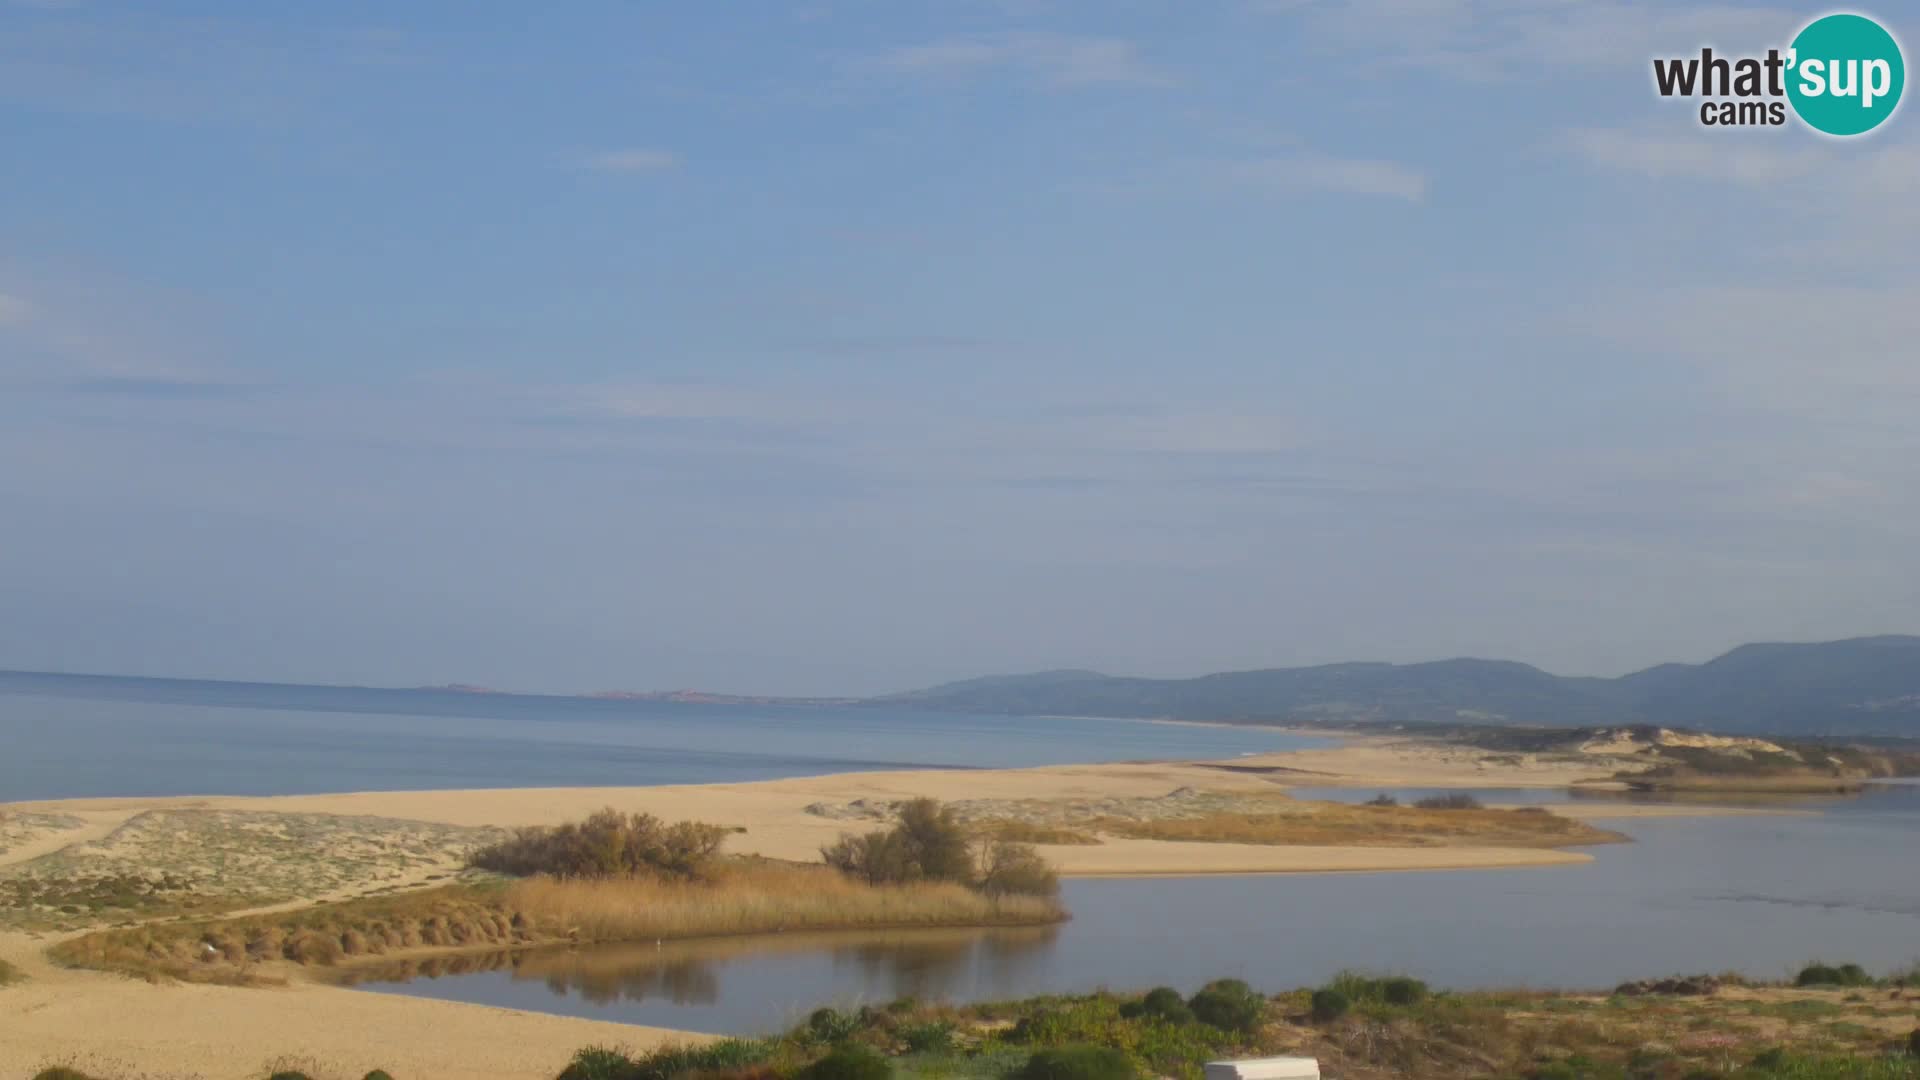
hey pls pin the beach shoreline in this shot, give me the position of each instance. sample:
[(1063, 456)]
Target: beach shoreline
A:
[(84, 1016)]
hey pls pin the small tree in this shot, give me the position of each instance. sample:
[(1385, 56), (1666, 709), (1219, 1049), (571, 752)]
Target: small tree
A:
[(934, 841), (1011, 869), (877, 858)]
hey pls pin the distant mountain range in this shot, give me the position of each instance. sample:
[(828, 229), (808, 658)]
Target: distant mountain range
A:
[(1857, 688), (1863, 686)]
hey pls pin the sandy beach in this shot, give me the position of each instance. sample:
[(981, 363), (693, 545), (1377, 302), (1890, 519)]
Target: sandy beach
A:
[(127, 1026)]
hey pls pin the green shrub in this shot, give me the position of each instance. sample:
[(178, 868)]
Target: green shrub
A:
[(1329, 1004), (667, 1063), (60, 1072), (1402, 990), (849, 1062), (597, 1063), (1228, 1004), (378, 1074), (832, 1025), (1828, 975), (1077, 1063), (289, 1074), (1161, 1003), (932, 1037), (1913, 1043)]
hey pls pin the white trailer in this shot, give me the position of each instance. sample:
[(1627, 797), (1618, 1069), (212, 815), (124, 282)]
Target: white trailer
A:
[(1274, 1068)]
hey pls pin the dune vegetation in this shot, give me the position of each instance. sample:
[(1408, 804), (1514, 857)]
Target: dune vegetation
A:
[(1359, 1027), (610, 878), (1832, 1022), (1368, 825)]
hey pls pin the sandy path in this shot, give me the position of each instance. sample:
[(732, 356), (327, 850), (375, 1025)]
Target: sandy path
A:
[(99, 824)]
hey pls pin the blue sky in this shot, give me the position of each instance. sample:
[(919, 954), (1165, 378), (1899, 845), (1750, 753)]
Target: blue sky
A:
[(851, 346)]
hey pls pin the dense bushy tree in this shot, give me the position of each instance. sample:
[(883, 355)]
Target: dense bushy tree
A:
[(607, 844), (930, 844)]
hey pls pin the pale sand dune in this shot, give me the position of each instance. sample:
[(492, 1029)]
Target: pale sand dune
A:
[(218, 1032), (125, 1027), (774, 813)]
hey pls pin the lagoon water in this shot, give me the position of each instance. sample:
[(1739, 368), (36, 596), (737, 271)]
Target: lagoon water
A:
[(1756, 894), (1761, 895)]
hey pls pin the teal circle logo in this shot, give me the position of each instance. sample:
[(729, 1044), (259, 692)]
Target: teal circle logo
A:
[(1845, 75)]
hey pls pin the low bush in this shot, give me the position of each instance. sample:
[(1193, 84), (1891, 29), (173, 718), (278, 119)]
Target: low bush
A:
[(849, 1062), (1228, 1004), (1829, 975), (597, 1063), (1329, 1005), (832, 1025), (1162, 1003), (932, 1037), (666, 1063), (61, 1072), (1383, 799), (1077, 1063), (378, 1074), (1397, 990), (608, 844)]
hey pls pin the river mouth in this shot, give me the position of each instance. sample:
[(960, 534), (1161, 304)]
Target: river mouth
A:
[(1758, 894)]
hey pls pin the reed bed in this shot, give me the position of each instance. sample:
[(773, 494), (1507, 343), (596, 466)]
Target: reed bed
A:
[(731, 899), (756, 900)]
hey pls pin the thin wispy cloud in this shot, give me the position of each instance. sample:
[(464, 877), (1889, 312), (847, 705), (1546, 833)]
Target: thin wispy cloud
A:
[(1322, 172), (1695, 157), (637, 160), (1056, 59)]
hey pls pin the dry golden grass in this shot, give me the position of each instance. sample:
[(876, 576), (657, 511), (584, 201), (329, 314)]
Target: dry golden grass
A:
[(1027, 832), (758, 899), (737, 899), (1367, 826)]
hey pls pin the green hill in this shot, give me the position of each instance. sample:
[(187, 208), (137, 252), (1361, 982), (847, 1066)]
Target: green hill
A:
[(1864, 686)]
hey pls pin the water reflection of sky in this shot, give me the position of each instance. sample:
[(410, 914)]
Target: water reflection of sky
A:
[(1761, 894)]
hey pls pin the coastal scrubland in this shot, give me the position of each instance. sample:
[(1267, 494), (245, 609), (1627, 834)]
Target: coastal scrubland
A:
[(1358, 1026), (611, 878)]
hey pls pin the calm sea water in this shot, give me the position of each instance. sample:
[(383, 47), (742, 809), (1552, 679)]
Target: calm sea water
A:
[(67, 737), (1762, 895)]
